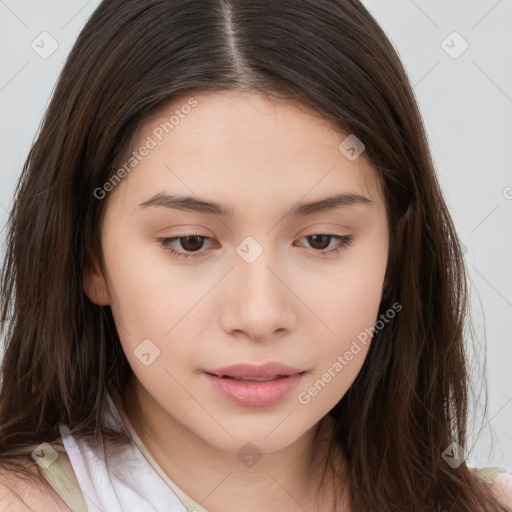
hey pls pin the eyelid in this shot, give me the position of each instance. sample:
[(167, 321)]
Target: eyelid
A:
[(164, 242)]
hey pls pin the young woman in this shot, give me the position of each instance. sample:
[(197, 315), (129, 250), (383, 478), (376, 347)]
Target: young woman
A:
[(232, 282)]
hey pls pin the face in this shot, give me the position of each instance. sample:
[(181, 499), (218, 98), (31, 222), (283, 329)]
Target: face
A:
[(258, 277)]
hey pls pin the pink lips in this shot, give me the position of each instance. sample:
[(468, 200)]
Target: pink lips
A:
[(255, 393)]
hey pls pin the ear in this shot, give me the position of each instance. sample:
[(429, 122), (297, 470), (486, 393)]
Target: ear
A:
[(405, 218), (95, 284)]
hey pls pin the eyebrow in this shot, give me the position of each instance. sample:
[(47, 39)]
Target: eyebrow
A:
[(198, 205)]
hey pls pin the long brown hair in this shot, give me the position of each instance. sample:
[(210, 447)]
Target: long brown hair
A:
[(63, 354)]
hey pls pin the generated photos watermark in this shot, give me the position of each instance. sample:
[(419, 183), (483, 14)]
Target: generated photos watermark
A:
[(151, 142), (304, 397)]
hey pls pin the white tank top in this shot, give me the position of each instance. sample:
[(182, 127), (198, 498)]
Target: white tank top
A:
[(123, 479), (128, 479)]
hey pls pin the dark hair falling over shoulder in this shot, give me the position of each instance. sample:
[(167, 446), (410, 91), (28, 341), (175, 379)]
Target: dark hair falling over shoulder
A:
[(410, 400)]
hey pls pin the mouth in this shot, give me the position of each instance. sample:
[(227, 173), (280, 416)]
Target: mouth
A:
[(255, 379), (255, 386), (272, 370)]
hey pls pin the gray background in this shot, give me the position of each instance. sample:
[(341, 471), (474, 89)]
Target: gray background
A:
[(466, 101)]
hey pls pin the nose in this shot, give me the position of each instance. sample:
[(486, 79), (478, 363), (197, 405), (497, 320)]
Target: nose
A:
[(258, 302)]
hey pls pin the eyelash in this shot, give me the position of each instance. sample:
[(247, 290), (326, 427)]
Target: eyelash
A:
[(344, 241)]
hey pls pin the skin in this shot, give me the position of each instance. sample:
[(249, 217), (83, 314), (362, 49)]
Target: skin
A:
[(261, 156)]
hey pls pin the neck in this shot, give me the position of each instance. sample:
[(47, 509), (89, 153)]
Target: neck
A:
[(213, 477)]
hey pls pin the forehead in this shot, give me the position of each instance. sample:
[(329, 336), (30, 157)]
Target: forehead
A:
[(245, 145), (230, 117)]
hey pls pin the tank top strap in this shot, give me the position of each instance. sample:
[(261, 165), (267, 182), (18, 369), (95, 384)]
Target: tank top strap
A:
[(62, 478), (490, 473)]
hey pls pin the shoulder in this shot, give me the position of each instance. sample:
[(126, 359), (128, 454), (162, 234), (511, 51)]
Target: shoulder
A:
[(501, 483), (19, 495), (502, 488)]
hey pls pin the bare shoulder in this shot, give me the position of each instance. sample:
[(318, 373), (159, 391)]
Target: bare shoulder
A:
[(502, 488), (18, 495)]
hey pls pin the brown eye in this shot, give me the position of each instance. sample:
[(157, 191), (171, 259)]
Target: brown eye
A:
[(320, 242), (183, 247), (192, 243)]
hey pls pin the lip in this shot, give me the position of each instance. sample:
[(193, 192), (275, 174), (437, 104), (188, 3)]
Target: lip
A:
[(270, 369), (254, 394)]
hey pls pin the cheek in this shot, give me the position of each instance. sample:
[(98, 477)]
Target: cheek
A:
[(149, 300), (349, 313), (350, 292), (147, 292), (349, 303), (339, 355)]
